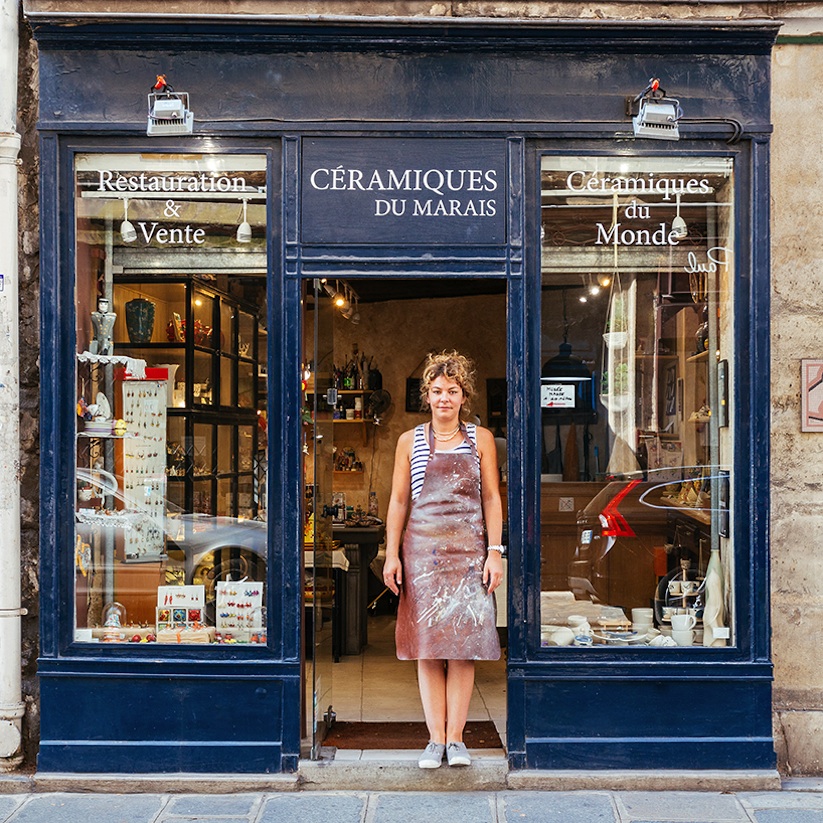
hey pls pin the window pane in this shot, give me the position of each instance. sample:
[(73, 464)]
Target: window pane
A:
[(158, 540), (637, 351)]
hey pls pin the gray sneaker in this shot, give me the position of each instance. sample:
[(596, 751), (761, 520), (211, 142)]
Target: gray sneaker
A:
[(458, 755), (432, 756)]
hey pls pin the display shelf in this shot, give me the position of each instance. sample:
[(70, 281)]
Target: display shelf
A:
[(696, 358), (212, 401), (346, 400), (106, 436)]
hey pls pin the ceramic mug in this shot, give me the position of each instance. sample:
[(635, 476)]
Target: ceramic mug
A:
[(688, 586), (674, 587), (642, 615), (683, 622), (683, 638), (579, 624), (561, 637)]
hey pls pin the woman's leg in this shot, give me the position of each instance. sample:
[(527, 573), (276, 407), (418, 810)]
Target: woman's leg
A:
[(431, 677), (459, 688)]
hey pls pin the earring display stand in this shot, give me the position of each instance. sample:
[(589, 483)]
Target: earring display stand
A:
[(144, 469)]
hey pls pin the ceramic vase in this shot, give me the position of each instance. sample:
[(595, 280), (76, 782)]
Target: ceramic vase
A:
[(140, 320), (170, 382), (714, 611)]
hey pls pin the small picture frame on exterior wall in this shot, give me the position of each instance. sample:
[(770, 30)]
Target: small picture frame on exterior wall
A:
[(811, 395)]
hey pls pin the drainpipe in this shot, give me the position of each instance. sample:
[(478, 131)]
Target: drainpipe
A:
[(11, 693)]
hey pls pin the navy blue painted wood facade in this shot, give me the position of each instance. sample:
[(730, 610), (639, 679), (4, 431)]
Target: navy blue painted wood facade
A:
[(266, 86)]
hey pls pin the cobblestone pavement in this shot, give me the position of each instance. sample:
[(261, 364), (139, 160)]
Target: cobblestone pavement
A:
[(797, 803)]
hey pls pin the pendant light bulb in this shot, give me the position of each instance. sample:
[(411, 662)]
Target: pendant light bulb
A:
[(128, 233), (679, 228), (604, 280), (244, 229)]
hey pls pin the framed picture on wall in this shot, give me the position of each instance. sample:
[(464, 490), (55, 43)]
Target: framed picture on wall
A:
[(496, 396), (413, 403), (811, 395)]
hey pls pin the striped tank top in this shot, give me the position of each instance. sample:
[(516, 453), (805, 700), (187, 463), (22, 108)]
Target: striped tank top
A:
[(420, 455)]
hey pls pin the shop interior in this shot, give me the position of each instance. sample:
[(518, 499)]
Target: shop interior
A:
[(172, 435), (382, 332)]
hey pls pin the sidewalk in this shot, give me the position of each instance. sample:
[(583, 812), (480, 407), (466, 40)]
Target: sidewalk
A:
[(799, 801)]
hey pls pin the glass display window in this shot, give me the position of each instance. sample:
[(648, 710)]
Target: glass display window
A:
[(228, 378), (225, 450), (637, 275), (162, 279)]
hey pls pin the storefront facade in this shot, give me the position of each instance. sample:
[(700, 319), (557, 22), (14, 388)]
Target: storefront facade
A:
[(418, 152)]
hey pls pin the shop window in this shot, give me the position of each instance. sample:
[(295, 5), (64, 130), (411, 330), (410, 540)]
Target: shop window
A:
[(170, 534), (637, 273)]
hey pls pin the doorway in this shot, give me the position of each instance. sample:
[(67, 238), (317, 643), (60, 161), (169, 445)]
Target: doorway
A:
[(364, 345)]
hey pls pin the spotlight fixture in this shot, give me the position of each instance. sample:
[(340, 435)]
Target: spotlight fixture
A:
[(169, 111), (340, 299), (583, 298), (244, 229), (679, 228), (657, 115), (592, 287), (127, 231), (604, 280)]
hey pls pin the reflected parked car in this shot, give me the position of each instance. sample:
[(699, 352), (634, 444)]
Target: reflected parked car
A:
[(198, 548), (633, 533)]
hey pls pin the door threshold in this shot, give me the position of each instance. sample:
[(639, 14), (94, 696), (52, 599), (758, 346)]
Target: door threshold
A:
[(397, 770)]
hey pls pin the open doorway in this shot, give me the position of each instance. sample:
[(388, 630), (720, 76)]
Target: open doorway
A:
[(370, 349)]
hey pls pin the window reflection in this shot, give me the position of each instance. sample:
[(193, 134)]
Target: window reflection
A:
[(637, 342), (170, 465)]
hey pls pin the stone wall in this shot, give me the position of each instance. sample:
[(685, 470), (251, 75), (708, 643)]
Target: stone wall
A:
[(797, 332), (29, 380), (399, 333)]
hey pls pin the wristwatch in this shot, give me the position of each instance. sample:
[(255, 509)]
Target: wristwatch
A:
[(499, 548)]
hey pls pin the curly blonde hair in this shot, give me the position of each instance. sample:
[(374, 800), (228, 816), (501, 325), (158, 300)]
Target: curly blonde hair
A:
[(453, 366)]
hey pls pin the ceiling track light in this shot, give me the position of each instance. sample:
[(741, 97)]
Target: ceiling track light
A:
[(340, 298), (244, 229), (128, 233)]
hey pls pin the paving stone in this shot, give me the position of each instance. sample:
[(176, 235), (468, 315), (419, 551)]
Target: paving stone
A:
[(427, 807), (681, 807), (9, 804), (201, 818), (218, 804), (558, 807), (75, 808), (781, 800), (789, 816), (313, 807)]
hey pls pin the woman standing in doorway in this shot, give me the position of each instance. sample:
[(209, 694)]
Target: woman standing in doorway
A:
[(445, 505)]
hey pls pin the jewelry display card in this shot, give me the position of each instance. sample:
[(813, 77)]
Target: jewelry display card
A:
[(180, 607), (144, 468), (239, 608)]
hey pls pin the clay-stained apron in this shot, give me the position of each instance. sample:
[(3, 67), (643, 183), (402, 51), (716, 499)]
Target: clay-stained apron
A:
[(445, 612)]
